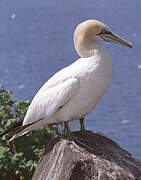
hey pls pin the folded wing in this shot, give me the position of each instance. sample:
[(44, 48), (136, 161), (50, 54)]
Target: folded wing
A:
[(46, 103)]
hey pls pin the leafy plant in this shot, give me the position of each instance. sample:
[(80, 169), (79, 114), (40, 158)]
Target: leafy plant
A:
[(19, 158)]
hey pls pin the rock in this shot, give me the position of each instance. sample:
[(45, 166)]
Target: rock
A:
[(63, 160)]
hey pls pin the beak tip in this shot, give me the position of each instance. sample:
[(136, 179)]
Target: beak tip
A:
[(130, 46)]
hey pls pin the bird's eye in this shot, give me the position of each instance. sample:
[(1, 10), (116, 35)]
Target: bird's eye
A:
[(103, 31)]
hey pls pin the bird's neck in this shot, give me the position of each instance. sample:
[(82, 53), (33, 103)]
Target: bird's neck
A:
[(91, 50)]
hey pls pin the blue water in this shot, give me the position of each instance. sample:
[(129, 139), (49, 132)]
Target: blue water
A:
[(36, 41)]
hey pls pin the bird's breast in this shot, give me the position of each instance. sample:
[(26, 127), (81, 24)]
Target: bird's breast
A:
[(95, 76)]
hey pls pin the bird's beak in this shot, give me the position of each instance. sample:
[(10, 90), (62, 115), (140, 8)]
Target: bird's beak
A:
[(111, 37)]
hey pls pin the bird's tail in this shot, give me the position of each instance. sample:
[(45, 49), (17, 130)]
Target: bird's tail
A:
[(16, 128), (29, 127), (20, 130), (21, 133), (13, 127)]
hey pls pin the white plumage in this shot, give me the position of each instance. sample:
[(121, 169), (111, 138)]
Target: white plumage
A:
[(75, 90)]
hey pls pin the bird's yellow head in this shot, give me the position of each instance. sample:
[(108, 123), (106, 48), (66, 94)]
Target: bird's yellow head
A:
[(91, 31)]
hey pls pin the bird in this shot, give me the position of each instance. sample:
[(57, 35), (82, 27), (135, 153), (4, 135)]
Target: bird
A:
[(73, 92)]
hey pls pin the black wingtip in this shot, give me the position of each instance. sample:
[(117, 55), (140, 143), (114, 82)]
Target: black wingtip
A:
[(13, 127), (2, 134)]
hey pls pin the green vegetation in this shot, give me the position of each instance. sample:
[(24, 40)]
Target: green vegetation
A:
[(18, 159)]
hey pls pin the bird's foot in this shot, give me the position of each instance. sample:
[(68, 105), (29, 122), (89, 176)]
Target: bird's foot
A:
[(77, 142), (81, 138), (73, 141)]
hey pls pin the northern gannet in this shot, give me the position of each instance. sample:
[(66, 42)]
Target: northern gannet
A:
[(74, 91)]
